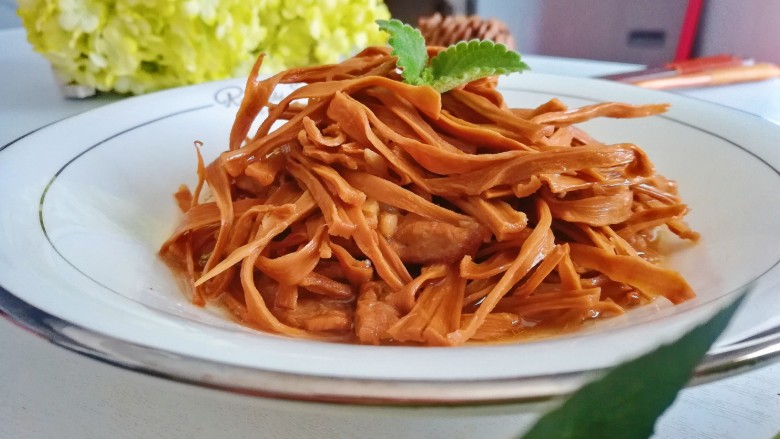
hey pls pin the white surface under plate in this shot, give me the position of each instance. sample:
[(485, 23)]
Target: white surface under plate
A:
[(86, 203)]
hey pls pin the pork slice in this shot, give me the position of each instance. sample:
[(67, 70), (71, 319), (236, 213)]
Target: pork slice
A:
[(374, 315), (418, 240), (319, 315)]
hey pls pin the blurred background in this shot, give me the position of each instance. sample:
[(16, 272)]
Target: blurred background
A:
[(8, 16), (635, 31)]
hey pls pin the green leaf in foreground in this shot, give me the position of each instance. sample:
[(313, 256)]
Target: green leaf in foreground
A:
[(625, 403), (468, 61), (409, 46)]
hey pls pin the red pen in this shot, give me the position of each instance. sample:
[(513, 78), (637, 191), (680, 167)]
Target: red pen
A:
[(709, 77), (676, 68)]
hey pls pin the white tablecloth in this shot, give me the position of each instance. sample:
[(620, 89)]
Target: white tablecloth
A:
[(47, 392)]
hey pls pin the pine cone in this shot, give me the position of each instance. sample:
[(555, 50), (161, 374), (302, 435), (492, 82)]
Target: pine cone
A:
[(444, 31)]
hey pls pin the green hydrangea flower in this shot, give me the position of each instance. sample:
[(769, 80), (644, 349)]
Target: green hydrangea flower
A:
[(136, 46)]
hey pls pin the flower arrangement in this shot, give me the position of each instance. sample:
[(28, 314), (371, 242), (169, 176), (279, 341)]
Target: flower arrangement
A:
[(137, 46)]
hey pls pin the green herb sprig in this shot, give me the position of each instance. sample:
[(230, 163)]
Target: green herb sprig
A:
[(454, 66)]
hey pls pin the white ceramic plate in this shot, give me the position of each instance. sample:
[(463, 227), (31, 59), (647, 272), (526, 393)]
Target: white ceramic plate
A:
[(86, 203)]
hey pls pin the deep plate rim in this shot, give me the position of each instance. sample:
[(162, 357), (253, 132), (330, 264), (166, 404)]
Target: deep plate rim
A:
[(258, 382), (264, 382)]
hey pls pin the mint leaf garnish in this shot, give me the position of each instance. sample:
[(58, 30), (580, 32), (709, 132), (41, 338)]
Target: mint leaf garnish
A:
[(468, 61), (409, 46), (454, 66), (625, 403)]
